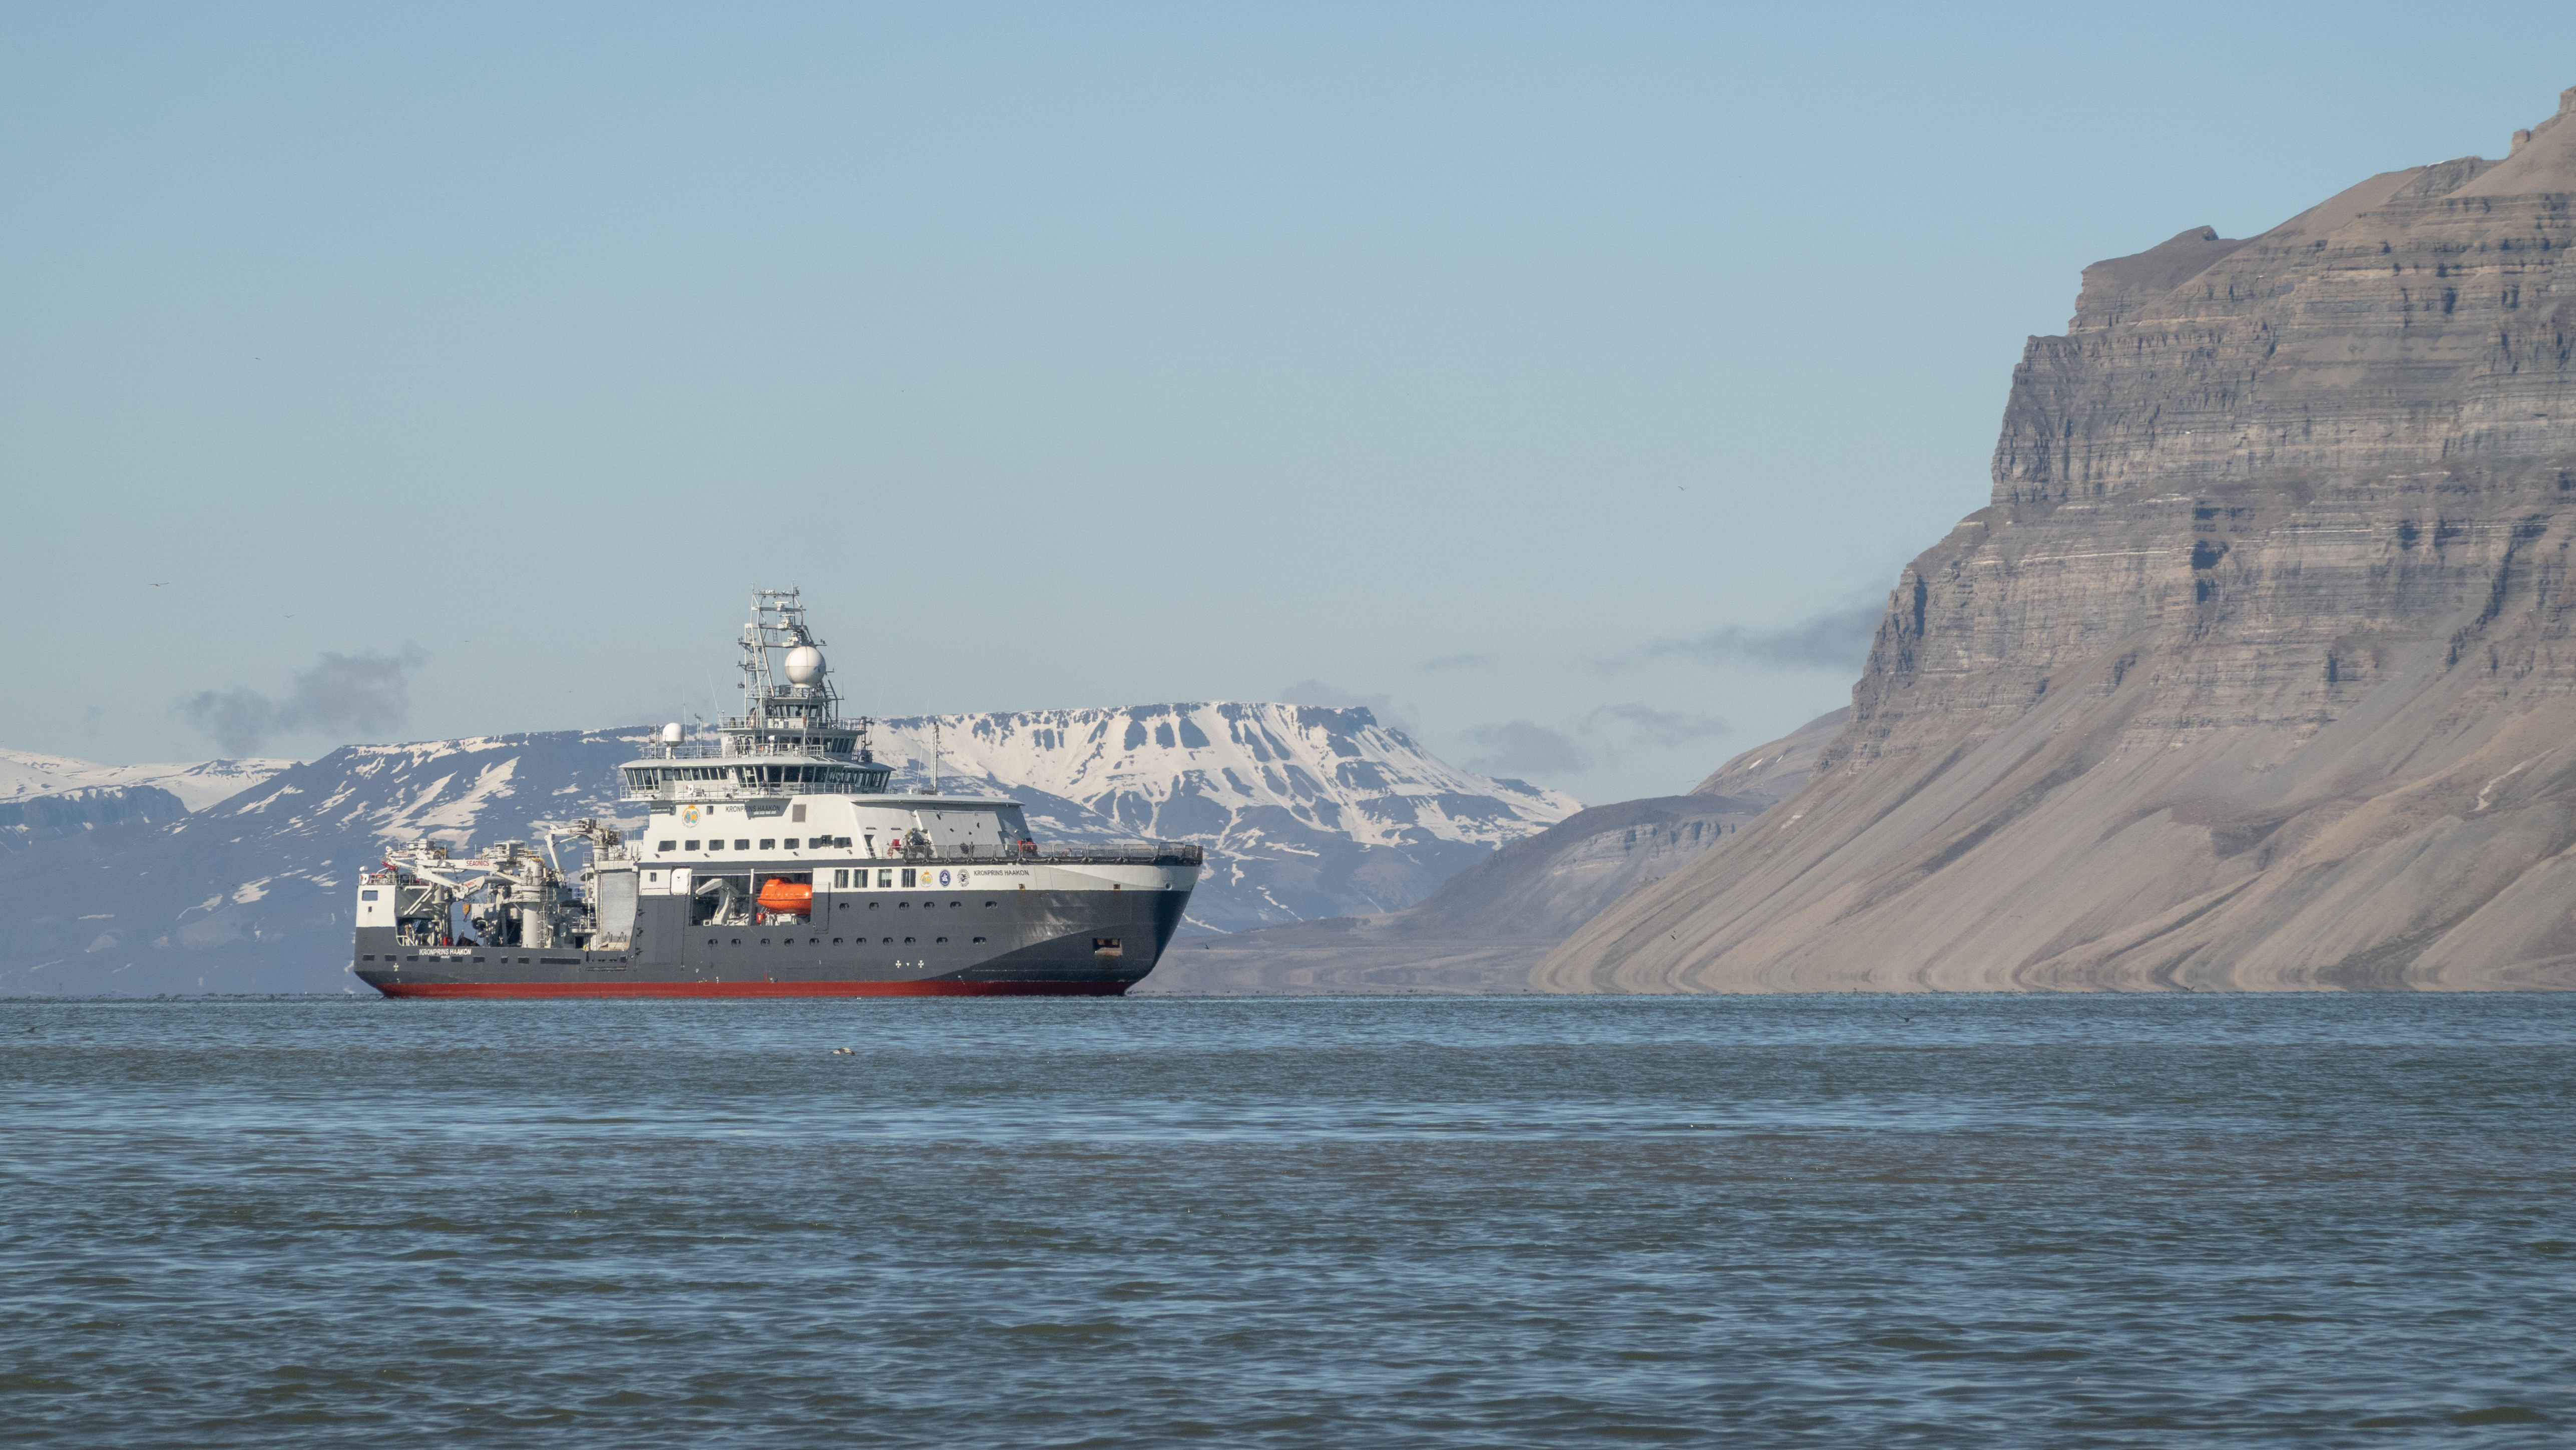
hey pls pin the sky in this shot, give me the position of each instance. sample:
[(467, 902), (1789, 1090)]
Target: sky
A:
[(1569, 384)]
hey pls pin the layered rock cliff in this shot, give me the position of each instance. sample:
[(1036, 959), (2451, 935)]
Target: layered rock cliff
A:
[(2257, 670)]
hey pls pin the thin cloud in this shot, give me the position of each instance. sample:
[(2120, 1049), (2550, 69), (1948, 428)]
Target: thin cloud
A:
[(1455, 662), (1660, 727), (1316, 692), (366, 694), (1836, 638), (1516, 746)]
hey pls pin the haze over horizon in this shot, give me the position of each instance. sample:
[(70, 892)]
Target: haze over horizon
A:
[(1568, 388)]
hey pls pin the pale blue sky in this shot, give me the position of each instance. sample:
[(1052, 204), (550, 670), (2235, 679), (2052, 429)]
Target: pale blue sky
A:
[(1559, 376)]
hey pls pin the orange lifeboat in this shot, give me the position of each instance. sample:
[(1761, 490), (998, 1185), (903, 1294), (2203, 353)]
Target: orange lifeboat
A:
[(787, 898)]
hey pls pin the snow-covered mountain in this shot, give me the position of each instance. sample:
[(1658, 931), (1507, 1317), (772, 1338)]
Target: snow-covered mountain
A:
[(26, 776), (252, 894), (1306, 812)]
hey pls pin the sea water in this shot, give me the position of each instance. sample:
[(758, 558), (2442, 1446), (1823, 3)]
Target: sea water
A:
[(1849, 1221)]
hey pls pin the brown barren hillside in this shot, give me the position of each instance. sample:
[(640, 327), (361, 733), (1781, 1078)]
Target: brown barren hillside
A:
[(2257, 672)]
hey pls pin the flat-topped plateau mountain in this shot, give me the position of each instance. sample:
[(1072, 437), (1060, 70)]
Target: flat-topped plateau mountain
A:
[(110, 884), (2256, 671)]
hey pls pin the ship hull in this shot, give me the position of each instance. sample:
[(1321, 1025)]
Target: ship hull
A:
[(1081, 943), (817, 988)]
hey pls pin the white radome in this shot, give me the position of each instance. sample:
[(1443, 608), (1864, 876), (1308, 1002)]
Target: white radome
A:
[(804, 665), (671, 733)]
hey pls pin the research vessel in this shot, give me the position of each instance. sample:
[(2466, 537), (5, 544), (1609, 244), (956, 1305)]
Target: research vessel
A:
[(775, 860)]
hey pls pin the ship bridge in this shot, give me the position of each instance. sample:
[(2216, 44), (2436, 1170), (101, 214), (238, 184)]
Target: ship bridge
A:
[(790, 738)]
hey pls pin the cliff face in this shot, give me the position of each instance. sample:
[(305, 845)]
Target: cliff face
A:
[(2257, 671)]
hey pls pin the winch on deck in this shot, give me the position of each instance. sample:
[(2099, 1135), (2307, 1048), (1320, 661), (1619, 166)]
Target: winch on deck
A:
[(509, 894)]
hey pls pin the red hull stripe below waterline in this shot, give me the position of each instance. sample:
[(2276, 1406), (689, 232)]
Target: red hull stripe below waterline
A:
[(752, 989)]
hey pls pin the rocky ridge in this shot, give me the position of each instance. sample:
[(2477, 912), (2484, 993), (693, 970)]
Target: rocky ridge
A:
[(1305, 812), (27, 776), (2255, 672), (1487, 926)]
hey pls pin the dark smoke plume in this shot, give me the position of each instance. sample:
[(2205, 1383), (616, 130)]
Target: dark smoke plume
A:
[(365, 694)]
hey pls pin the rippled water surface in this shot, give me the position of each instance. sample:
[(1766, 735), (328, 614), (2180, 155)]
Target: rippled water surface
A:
[(1858, 1221)]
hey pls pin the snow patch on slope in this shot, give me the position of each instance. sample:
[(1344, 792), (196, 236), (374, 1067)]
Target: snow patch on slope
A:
[(25, 775)]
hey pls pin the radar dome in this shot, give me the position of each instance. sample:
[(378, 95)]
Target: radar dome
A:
[(671, 733), (804, 665)]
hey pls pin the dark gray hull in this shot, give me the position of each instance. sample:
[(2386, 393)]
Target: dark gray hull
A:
[(950, 943)]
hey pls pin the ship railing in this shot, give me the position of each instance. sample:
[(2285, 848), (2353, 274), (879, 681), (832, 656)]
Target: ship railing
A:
[(1068, 853), (715, 750)]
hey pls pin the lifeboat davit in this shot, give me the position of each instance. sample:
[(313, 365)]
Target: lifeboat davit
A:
[(787, 898)]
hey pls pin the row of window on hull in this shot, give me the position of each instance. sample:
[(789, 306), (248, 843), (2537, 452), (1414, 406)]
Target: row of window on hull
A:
[(770, 843), (859, 780)]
